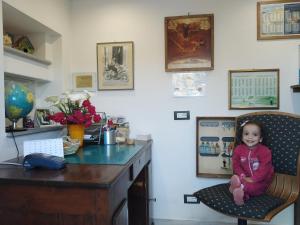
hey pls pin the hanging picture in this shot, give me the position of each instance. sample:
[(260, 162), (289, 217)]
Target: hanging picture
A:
[(278, 19), (214, 146), (84, 81), (254, 89), (115, 66), (189, 43)]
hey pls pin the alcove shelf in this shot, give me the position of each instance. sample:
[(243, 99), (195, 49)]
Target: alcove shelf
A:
[(26, 55), (296, 88), (46, 43)]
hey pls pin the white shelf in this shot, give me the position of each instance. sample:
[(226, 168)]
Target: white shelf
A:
[(35, 130), (26, 55)]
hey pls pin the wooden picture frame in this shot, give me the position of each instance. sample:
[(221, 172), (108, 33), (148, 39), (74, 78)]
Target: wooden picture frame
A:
[(279, 19), (254, 89), (214, 146), (84, 81), (189, 43), (115, 66)]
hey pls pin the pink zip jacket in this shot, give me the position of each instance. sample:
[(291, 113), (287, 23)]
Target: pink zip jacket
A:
[(255, 163)]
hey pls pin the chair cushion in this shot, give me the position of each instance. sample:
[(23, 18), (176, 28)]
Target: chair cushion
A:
[(220, 199)]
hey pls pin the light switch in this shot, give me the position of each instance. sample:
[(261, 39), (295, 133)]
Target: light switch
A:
[(181, 115)]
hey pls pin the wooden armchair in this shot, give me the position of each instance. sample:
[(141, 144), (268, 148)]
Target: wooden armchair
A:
[(282, 136)]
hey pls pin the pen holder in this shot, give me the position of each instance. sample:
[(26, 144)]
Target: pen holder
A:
[(110, 137)]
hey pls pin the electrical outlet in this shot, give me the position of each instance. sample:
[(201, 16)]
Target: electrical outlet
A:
[(190, 199)]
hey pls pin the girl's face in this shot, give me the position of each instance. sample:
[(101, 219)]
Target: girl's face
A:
[(251, 135)]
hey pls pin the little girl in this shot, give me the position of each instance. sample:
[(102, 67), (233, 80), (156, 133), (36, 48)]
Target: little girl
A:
[(252, 164)]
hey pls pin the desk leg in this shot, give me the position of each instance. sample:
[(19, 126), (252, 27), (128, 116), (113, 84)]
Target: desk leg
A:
[(138, 212), (297, 212)]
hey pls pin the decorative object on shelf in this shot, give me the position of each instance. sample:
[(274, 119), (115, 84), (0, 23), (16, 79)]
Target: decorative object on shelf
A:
[(24, 44), (18, 102), (28, 122), (278, 19), (214, 145), (254, 89), (8, 40), (41, 118), (84, 81), (71, 146), (189, 43), (115, 66), (74, 108)]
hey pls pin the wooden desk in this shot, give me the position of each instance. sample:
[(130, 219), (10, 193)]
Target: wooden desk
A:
[(78, 194)]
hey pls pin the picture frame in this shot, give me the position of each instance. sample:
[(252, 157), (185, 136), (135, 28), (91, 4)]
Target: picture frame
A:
[(84, 81), (115, 66), (215, 137), (40, 118), (254, 89), (278, 19), (189, 43)]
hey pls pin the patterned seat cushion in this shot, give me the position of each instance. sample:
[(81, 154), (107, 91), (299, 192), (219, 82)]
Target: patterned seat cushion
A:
[(219, 198)]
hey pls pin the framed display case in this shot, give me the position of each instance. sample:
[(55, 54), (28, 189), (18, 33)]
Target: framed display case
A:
[(254, 89), (278, 19), (214, 146)]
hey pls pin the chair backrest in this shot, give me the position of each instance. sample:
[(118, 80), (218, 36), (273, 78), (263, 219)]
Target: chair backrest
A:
[(281, 135)]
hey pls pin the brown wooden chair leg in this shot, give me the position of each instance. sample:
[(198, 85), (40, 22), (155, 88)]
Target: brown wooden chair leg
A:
[(242, 222)]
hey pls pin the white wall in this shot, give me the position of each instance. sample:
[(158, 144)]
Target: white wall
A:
[(149, 108), (56, 15)]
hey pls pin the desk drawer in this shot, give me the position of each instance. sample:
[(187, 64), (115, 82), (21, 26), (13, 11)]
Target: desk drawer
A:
[(137, 166)]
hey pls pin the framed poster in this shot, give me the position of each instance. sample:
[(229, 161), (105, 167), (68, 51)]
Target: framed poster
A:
[(214, 146), (189, 43), (84, 81), (115, 66), (278, 19), (254, 89)]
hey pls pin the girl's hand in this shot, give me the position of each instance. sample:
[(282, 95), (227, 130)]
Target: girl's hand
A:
[(248, 179)]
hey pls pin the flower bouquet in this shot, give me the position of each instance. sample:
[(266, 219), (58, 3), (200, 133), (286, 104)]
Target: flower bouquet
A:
[(74, 110)]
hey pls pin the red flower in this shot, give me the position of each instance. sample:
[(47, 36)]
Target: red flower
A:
[(97, 118), (74, 113), (86, 103)]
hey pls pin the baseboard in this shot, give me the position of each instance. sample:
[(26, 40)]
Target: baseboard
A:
[(191, 222)]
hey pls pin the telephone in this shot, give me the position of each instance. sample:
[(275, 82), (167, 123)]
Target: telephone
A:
[(43, 160)]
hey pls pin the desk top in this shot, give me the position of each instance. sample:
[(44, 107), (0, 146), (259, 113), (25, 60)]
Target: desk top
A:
[(75, 175), (104, 154)]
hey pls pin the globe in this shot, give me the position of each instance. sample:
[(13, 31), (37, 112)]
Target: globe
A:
[(18, 101)]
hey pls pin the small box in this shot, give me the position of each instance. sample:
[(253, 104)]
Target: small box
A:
[(143, 137)]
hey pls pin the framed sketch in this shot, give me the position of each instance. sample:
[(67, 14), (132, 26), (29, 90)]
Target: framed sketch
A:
[(84, 81), (254, 89), (214, 146), (115, 66), (189, 43), (278, 19), (41, 118)]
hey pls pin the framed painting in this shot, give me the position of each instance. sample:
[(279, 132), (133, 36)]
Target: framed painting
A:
[(189, 43), (214, 146), (84, 81), (278, 19), (115, 66), (254, 89)]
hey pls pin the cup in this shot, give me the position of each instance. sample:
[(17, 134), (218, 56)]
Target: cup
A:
[(110, 137)]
